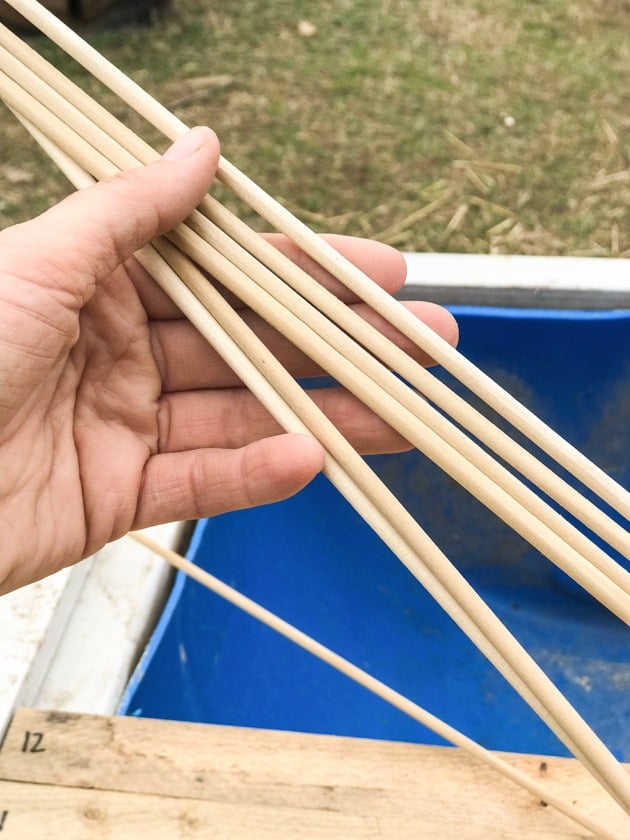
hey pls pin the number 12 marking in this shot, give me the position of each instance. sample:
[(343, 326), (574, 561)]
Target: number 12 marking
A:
[(32, 742)]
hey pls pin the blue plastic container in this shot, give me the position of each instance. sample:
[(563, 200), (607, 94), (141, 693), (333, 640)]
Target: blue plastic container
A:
[(312, 560)]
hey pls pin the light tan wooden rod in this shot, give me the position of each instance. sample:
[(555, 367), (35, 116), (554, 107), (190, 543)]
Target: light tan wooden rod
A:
[(446, 585), (486, 479), (369, 682), (486, 388), (114, 169), (364, 333)]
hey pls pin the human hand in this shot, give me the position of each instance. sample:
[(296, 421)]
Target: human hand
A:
[(114, 413)]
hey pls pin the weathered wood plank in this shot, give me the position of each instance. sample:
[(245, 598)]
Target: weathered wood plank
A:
[(33, 812), (279, 776)]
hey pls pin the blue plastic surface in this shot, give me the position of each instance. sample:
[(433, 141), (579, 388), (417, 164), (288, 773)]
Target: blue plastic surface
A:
[(313, 561)]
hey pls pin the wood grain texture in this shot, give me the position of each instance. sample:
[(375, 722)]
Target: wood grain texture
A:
[(83, 776)]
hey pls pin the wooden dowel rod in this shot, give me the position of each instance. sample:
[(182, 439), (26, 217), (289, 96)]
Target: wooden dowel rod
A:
[(569, 561), (22, 103), (102, 69), (339, 452), (434, 570), (465, 371), (343, 315), (369, 682), (422, 379), (487, 632), (481, 384), (487, 465), (374, 502), (617, 784), (307, 333), (38, 88), (74, 94), (319, 327)]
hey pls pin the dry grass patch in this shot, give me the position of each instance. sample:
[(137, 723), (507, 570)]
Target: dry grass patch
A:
[(479, 127)]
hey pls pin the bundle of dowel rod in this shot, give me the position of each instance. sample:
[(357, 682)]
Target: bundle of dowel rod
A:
[(581, 507), (229, 349), (486, 479), (228, 316), (486, 388), (422, 425), (87, 142)]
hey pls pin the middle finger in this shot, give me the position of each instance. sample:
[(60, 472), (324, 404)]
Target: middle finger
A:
[(187, 362)]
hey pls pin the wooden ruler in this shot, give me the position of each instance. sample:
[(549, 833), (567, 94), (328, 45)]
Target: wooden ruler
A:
[(78, 777)]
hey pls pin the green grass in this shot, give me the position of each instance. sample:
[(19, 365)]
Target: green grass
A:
[(442, 126)]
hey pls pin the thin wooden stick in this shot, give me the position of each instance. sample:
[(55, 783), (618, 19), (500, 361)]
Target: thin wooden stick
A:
[(372, 500), (422, 379), (378, 345), (307, 333), (487, 491), (502, 402), (567, 713), (493, 635), (570, 534), (375, 686), (320, 331)]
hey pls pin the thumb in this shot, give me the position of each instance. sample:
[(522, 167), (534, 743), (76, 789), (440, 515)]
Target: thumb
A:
[(87, 235)]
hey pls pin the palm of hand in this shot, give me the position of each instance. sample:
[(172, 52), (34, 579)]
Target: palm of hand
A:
[(114, 412), (122, 417), (80, 428)]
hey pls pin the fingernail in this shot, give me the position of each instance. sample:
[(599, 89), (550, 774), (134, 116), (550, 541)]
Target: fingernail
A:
[(187, 145)]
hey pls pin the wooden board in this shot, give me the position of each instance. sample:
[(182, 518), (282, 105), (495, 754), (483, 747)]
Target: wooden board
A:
[(76, 777)]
